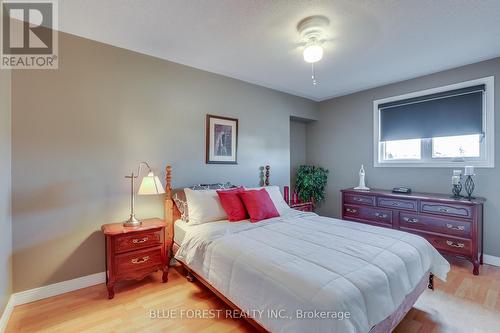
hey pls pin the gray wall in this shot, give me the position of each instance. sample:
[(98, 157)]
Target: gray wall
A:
[(342, 140), (5, 189), (297, 147), (78, 130)]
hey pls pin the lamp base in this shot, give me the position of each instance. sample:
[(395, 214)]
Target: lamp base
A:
[(132, 222)]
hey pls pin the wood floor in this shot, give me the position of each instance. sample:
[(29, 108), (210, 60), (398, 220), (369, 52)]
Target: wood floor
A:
[(465, 303)]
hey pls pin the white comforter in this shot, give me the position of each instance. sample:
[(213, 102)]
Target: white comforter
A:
[(279, 268)]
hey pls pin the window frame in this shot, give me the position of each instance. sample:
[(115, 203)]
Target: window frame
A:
[(487, 148)]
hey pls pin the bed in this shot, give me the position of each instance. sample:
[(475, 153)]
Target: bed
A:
[(303, 272)]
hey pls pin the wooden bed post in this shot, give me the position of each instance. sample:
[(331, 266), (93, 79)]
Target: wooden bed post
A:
[(169, 215), (266, 181)]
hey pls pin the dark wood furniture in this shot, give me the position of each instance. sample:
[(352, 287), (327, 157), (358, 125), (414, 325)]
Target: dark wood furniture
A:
[(302, 206), (134, 253), (452, 226)]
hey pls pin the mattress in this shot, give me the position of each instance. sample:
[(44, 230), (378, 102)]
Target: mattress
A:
[(180, 228), (288, 272)]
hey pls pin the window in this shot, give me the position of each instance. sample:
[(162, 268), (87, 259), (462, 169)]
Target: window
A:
[(402, 150), (461, 146), (451, 126)]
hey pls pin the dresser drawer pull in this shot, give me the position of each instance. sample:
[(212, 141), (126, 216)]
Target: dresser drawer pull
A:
[(140, 240), (357, 199), (351, 210), (451, 226), (444, 210), (395, 203), (455, 244), (140, 260), (410, 219), (380, 215)]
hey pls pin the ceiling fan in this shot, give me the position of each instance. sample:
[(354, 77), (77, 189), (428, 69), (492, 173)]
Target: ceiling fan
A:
[(312, 30)]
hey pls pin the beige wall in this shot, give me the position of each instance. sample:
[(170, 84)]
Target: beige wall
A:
[(5, 189), (78, 130)]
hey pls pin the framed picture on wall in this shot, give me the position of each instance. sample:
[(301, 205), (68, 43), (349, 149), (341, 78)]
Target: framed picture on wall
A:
[(222, 140)]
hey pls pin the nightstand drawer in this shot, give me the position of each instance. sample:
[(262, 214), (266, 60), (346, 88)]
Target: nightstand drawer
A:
[(137, 241), (137, 260)]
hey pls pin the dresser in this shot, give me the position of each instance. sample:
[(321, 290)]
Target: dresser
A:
[(452, 226), (132, 253)]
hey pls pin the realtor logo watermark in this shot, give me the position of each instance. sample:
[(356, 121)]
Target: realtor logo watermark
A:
[(29, 34)]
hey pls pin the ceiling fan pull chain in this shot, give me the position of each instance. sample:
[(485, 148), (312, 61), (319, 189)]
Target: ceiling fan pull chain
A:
[(313, 75)]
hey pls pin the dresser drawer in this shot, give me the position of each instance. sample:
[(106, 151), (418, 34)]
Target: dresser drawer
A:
[(449, 244), (359, 199), (397, 203), (137, 260), (441, 225), (446, 209), (137, 241), (369, 214)]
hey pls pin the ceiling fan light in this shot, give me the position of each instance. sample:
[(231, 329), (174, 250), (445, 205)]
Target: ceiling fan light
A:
[(313, 53)]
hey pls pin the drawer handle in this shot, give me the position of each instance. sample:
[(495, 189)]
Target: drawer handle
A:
[(444, 210), (380, 215), (395, 203), (357, 199), (455, 244), (350, 210), (140, 260), (410, 219), (140, 240), (459, 227)]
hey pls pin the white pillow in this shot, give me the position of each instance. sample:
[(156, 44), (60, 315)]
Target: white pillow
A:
[(276, 197), (204, 206)]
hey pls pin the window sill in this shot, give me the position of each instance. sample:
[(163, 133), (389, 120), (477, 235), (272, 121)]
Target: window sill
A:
[(444, 164)]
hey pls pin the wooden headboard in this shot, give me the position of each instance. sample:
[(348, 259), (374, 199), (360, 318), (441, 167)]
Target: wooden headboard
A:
[(172, 213)]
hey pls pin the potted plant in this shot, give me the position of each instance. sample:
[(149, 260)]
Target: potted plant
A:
[(310, 183)]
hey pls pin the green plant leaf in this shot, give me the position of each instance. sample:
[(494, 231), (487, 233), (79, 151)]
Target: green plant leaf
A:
[(311, 183)]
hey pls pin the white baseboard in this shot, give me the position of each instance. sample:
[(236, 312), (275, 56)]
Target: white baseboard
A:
[(50, 290), (36, 294), (491, 260), (6, 314)]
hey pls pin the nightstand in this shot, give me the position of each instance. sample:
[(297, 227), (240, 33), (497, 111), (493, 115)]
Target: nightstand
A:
[(302, 206), (132, 253)]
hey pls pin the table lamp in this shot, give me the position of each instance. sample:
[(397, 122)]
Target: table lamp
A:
[(150, 185)]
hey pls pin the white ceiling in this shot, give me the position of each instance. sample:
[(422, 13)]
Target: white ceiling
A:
[(371, 42)]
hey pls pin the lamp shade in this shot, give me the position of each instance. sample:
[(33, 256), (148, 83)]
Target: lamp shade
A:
[(151, 185)]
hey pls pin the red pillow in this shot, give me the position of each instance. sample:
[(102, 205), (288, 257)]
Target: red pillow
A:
[(232, 204), (258, 204)]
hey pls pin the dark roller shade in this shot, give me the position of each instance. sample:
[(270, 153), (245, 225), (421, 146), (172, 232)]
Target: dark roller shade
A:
[(455, 112)]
